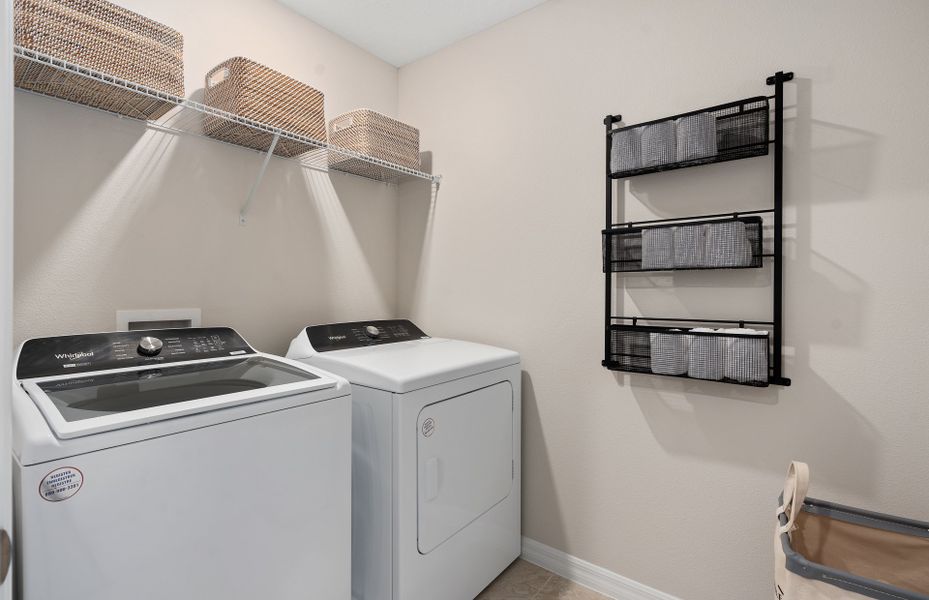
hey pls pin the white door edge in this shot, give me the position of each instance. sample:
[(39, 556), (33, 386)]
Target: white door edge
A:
[(6, 271)]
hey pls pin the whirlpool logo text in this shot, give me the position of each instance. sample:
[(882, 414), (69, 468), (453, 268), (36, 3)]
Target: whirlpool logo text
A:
[(74, 355)]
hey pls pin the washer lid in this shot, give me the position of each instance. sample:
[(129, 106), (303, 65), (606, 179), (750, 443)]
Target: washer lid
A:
[(405, 366), (98, 402)]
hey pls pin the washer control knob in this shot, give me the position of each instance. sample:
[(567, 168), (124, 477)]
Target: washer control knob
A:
[(150, 346), (372, 332)]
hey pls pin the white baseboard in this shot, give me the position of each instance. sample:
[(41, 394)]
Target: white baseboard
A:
[(588, 574)]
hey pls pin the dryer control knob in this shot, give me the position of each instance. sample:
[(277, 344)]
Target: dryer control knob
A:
[(150, 346), (372, 331)]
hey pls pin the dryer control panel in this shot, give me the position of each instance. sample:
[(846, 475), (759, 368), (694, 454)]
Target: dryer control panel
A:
[(342, 336), (63, 355)]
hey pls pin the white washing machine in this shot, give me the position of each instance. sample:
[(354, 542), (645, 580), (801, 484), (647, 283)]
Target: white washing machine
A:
[(435, 457), (178, 464)]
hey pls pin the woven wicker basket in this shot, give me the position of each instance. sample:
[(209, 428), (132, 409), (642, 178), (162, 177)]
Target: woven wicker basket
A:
[(373, 134), (254, 91), (104, 37)]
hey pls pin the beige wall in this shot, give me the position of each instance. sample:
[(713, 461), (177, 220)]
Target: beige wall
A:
[(111, 215), (667, 482)]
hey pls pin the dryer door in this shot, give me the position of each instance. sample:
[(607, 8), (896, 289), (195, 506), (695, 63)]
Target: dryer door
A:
[(465, 461)]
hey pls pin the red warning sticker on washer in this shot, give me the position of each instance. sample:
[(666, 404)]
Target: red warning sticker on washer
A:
[(61, 484)]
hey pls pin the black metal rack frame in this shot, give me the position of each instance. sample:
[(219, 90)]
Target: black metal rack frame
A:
[(777, 322)]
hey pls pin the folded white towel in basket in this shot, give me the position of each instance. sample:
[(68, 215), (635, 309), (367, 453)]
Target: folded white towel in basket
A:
[(626, 152), (696, 136), (658, 144), (727, 245), (746, 356), (669, 353), (689, 246), (706, 356), (658, 248)]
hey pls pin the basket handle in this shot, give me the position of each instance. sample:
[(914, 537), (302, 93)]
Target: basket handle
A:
[(217, 76), (795, 488), (343, 122)]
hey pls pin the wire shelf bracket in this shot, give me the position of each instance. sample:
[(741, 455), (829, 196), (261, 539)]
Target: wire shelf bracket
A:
[(243, 214)]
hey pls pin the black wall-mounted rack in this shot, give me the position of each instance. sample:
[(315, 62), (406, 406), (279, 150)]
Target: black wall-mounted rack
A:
[(741, 132)]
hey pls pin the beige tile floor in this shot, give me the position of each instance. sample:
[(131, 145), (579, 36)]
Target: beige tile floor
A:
[(525, 581)]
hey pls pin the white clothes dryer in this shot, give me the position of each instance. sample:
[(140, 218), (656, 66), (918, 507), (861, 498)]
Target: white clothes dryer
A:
[(180, 464), (435, 457)]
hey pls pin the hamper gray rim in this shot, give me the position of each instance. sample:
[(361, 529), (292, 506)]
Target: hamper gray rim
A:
[(800, 565), (867, 518)]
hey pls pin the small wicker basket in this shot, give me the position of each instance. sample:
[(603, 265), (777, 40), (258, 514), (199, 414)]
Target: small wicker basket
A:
[(100, 36), (253, 91), (373, 134)]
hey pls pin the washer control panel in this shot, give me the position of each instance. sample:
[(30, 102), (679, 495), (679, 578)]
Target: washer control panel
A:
[(63, 355), (342, 336)]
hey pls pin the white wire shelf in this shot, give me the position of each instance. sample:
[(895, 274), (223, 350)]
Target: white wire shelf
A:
[(187, 117)]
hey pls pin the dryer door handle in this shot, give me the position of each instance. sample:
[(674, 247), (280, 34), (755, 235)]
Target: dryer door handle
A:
[(431, 477)]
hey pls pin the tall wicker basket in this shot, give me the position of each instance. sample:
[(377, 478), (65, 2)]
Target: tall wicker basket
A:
[(373, 134), (100, 36), (248, 89)]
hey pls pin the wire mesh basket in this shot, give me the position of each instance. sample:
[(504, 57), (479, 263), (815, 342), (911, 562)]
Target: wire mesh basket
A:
[(731, 243), (370, 133), (720, 133), (251, 90), (104, 37), (739, 356), (631, 349)]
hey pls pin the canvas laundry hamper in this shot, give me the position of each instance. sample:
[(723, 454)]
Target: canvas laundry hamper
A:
[(103, 37), (825, 551)]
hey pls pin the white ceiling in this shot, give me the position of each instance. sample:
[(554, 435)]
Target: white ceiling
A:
[(401, 31)]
